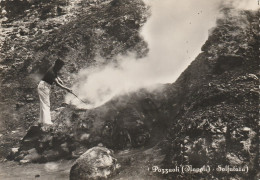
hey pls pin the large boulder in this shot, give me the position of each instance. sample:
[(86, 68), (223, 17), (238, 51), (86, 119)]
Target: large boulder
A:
[(95, 163)]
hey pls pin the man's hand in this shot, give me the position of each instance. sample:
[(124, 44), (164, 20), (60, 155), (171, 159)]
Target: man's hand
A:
[(62, 86), (60, 81)]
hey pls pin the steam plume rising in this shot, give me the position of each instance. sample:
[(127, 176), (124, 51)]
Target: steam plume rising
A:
[(175, 33)]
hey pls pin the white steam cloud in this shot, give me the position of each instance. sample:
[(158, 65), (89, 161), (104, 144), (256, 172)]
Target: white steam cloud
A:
[(175, 33)]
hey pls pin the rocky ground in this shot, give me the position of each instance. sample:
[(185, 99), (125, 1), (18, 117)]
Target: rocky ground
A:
[(209, 116), (53, 170), (218, 122)]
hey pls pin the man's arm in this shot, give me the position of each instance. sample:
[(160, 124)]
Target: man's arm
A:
[(57, 81)]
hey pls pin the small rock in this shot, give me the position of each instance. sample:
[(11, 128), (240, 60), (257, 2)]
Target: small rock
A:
[(51, 167), (84, 137), (20, 104), (24, 161), (233, 159), (29, 99), (32, 155), (37, 175), (100, 145), (246, 129), (64, 147), (253, 76), (14, 150)]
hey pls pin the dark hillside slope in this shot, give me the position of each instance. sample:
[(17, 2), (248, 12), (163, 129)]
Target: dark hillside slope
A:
[(218, 120)]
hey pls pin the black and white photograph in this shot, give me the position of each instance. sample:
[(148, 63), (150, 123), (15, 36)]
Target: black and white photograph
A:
[(129, 90)]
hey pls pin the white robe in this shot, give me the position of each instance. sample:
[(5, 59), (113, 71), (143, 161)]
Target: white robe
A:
[(44, 94)]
